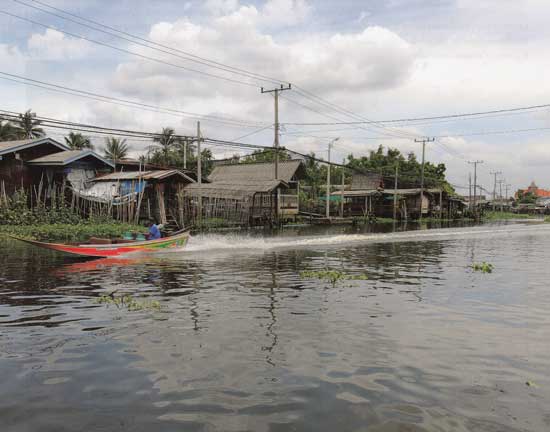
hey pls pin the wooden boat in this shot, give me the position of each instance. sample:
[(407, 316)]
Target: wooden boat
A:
[(104, 249)]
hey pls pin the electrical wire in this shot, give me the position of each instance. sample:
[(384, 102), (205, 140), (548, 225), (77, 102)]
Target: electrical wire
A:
[(122, 102)]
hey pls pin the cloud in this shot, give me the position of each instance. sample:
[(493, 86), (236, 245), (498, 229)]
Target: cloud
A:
[(55, 46), (276, 13)]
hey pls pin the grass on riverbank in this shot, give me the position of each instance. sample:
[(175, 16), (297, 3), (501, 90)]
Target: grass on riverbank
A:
[(496, 215), (69, 232)]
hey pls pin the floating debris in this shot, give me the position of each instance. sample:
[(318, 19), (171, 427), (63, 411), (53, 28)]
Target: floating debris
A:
[(484, 267), (332, 276), (129, 302)]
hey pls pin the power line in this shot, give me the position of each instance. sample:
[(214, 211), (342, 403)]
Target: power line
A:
[(498, 111), (190, 56), (118, 101), (143, 56)]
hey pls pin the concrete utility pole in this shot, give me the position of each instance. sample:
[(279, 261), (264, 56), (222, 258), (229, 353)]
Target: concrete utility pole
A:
[(185, 153), (475, 163), (276, 91), (500, 182), (495, 187), (470, 191), (423, 141), (507, 186), (199, 170), (343, 185), (328, 178), (395, 192)]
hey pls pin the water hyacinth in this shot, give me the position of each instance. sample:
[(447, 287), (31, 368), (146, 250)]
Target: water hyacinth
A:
[(129, 303), (483, 267), (332, 276)]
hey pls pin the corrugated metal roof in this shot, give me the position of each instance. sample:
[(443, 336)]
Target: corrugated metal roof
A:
[(232, 190), (67, 157), (369, 192), (366, 181), (143, 175), (13, 146), (239, 173), (410, 191)]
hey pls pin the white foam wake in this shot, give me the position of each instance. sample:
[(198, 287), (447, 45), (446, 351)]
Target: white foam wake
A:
[(220, 242)]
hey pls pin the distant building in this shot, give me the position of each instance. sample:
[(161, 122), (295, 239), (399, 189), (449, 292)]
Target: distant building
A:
[(535, 190)]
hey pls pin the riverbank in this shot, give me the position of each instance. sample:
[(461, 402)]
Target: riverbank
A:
[(69, 232)]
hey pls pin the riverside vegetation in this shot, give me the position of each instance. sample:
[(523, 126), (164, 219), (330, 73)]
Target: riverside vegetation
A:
[(55, 222)]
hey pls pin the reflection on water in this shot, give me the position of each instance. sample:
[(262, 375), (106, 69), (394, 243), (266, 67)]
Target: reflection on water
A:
[(243, 343)]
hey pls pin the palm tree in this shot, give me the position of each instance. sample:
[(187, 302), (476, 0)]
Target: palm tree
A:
[(28, 126), (7, 131), (115, 148), (77, 141), (167, 139)]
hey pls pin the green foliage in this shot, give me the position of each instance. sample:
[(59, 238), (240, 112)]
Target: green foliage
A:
[(77, 141), (171, 151), (496, 215), (128, 302), (483, 267), (115, 148), (409, 168), (525, 197), (28, 127), (332, 276), (267, 155), (8, 131), (70, 232)]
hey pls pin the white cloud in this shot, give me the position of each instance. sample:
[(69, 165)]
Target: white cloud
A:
[(54, 45), (277, 13)]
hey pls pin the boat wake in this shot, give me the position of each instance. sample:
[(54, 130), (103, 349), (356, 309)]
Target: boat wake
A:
[(237, 243)]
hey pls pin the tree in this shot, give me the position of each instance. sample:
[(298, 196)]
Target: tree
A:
[(28, 127), (77, 141), (8, 132), (167, 140), (115, 148), (267, 155), (526, 197)]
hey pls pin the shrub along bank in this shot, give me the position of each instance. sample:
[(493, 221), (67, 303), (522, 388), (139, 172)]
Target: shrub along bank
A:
[(55, 222)]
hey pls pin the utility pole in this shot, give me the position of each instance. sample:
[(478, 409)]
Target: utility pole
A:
[(470, 190), (500, 182), (199, 171), (475, 163), (507, 186), (328, 179), (395, 192), (343, 185), (276, 92), (495, 187), (423, 141), (185, 153)]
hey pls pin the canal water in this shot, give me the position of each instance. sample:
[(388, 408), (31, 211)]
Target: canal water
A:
[(242, 341)]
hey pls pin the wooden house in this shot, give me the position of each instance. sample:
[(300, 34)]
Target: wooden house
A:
[(14, 171), (249, 192), (362, 195), (151, 194)]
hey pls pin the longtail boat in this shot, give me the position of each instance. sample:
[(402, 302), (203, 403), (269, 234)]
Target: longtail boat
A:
[(107, 248)]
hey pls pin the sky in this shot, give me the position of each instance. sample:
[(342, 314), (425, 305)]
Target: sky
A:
[(378, 60)]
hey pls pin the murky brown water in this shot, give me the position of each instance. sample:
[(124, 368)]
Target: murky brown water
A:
[(243, 343)]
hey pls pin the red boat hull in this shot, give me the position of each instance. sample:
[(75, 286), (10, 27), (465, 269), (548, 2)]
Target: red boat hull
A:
[(175, 241)]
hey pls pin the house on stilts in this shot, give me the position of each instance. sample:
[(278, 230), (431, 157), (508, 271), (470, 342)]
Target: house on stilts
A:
[(248, 193)]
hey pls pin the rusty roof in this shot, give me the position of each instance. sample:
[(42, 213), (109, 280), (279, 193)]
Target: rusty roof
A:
[(66, 157), (143, 175), (253, 172), (232, 190), (17, 145)]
